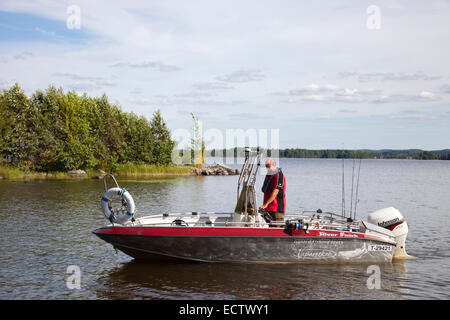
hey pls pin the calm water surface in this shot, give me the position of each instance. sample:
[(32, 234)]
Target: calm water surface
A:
[(46, 226)]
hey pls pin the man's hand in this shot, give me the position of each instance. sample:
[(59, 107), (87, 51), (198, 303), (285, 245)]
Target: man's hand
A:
[(273, 195)]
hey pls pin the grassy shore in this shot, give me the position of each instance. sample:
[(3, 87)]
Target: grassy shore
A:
[(10, 173), (143, 170)]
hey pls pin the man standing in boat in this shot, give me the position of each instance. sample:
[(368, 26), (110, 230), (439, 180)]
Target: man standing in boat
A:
[(274, 189)]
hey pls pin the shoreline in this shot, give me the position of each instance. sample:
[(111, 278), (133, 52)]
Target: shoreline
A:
[(14, 174), (135, 171), (141, 171)]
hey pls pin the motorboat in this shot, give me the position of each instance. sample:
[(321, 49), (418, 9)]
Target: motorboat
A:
[(248, 235)]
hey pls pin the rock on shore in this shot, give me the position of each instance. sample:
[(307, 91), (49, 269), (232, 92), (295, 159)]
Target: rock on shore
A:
[(77, 173), (216, 170)]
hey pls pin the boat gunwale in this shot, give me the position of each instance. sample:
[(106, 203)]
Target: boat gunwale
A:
[(258, 232)]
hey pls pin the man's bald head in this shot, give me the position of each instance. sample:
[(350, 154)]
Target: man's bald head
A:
[(271, 164)]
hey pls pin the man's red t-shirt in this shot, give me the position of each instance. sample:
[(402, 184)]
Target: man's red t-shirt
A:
[(273, 206)]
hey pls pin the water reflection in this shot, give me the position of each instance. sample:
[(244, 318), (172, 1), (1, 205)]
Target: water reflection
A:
[(137, 280)]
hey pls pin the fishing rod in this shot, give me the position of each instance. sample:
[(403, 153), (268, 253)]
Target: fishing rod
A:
[(357, 187), (351, 196), (343, 186)]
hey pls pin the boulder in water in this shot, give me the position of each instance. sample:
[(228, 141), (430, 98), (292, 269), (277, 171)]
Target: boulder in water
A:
[(216, 170)]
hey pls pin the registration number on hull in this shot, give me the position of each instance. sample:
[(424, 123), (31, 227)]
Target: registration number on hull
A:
[(379, 247)]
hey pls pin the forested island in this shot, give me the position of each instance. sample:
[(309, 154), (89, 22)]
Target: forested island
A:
[(52, 133)]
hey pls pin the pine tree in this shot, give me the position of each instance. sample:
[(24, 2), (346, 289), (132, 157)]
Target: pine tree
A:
[(163, 143)]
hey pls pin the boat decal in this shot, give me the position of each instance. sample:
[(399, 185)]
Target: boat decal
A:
[(315, 253), (392, 227), (378, 247)]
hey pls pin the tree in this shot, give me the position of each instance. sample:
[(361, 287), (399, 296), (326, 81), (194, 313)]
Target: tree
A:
[(57, 131), (19, 139), (197, 144), (163, 143)]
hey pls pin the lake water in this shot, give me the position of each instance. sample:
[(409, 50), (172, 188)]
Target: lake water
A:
[(47, 226)]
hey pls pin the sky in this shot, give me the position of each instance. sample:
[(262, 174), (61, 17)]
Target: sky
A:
[(309, 74)]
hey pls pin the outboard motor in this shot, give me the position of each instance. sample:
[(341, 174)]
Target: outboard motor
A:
[(390, 218)]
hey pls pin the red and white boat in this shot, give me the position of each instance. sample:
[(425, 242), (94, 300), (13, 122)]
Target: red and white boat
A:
[(247, 236)]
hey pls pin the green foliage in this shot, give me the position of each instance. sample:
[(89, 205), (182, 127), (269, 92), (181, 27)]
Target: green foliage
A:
[(143, 169), (445, 156), (18, 128), (163, 146), (426, 155), (57, 131), (324, 154)]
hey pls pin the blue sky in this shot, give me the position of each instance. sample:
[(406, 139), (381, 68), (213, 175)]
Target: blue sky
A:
[(314, 71), (28, 27)]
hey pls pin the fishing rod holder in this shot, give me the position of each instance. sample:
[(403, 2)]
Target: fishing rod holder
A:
[(246, 198)]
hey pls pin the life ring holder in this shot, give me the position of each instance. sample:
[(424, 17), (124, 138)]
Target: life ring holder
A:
[(127, 201)]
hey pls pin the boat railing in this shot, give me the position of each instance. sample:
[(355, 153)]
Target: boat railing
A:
[(325, 215), (305, 215), (314, 224)]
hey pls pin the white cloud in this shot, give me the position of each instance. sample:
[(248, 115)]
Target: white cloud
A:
[(183, 101), (246, 116), (45, 32), (86, 83), (416, 116), (308, 90), (195, 94), (328, 93), (23, 55), (387, 76), (244, 75), (212, 86), (427, 95), (313, 97), (423, 96), (155, 65)]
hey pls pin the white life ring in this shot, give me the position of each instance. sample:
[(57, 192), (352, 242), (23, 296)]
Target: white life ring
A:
[(130, 205)]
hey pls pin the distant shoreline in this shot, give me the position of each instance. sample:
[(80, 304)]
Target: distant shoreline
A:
[(406, 154)]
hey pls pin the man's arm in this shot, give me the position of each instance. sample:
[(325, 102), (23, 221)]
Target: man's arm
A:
[(272, 197)]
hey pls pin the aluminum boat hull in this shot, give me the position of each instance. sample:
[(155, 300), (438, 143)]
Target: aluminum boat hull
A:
[(246, 245)]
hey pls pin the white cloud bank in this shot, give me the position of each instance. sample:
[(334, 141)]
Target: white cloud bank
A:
[(234, 59)]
